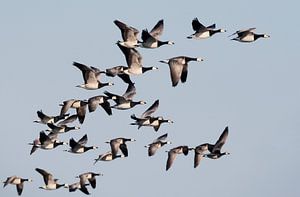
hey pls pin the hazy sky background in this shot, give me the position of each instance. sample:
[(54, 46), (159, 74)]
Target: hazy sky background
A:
[(251, 87)]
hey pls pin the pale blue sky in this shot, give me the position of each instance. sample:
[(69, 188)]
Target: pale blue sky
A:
[(252, 88)]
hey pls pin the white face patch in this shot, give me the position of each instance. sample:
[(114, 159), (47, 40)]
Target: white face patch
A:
[(199, 59), (170, 43)]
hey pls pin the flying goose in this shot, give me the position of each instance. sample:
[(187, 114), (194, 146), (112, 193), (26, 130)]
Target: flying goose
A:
[(179, 68), (91, 77), (119, 144), (147, 120), (73, 187), (79, 105), (68, 120), (202, 32), (174, 152), (199, 153), (144, 120), (108, 156), (79, 146), (120, 71), (215, 149), (50, 183), (134, 61), (60, 129), (129, 35), (125, 101), (155, 122), (248, 35), (88, 177), (18, 181), (44, 119), (151, 39), (156, 144), (95, 101), (46, 142)]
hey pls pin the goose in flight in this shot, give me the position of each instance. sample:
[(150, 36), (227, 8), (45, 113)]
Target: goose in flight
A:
[(60, 128), (147, 120), (120, 71), (199, 153), (74, 186), (18, 181), (50, 182), (119, 144), (79, 105), (129, 35), (248, 35), (215, 149), (174, 152), (89, 177), (202, 32), (151, 39), (91, 77), (156, 144), (134, 61), (44, 119), (101, 100), (179, 68), (46, 142), (108, 156), (125, 101), (79, 146)]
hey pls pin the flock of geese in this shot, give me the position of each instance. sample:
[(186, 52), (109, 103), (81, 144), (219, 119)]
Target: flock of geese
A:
[(59, 124)]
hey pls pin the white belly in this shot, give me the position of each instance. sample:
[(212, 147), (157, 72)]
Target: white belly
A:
[(150, 45), (155, 123), (48, 146), (78, 150), (202, 35), (123, 106), (248, 38), (91, 86), (135, 70), (51, 187), (76, 104)]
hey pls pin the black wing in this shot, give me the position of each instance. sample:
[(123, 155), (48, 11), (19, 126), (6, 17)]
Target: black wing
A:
[(197, 25), (123, 148)]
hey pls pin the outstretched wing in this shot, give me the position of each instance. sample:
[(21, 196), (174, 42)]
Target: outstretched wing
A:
[(221, 141), (157, 29), (151, 109), (171, 158), (197, 25), (46, 175), (130, 92), (162, 137), (83, 140)]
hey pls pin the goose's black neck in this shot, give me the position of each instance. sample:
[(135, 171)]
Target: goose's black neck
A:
[(100, 85), (58, 143), (256, 36), (187, 59), (145, 69), (213, 31), (160, 43)]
